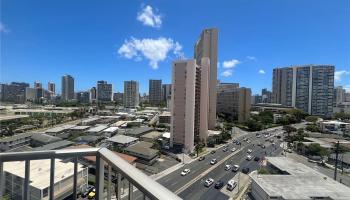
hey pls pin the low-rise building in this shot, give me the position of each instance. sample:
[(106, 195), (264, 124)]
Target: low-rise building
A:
[(43, 139), (122, 140), (144, 153), (15, 141), (137, 132), (39, 185), (151, 136), (54, 146), (292, 180), (109, 132), (334, 126), (165, 118)]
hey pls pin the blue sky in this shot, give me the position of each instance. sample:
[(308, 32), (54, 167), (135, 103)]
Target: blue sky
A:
[(116, 41)]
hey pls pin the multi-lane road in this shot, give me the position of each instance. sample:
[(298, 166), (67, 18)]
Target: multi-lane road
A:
[(192, 186)]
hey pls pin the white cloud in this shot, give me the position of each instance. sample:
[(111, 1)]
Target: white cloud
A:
[(154, 50), (251, 58), (262, 71), (149, 18), (227, 73), (3, 28), (230, 63), (339, 74)]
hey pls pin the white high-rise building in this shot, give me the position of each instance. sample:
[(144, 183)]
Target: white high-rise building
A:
[(67, 88), (189, 97)]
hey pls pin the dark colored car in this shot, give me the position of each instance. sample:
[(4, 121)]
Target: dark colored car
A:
[(88, 189), (201, 158), (245, 170), (219, 184), (238, 143), (212, 152), (256, 159)]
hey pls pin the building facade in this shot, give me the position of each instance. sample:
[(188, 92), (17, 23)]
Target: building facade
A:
[(83, 97), (233, 102), (266, 96), (51, 87), (67, 88), (104, 92), (92, 94), (309, 88), (339, 95), (118, 98), (13, 92), (131, 94), (207, 46), (189, 121), (155, 92)]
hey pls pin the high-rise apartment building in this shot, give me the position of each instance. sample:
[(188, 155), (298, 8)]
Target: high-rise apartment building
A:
[(233, 102), (266, 96), (104, 91), (14, 92), (166, 94), (38, 84), (131, 94), (51, 87), (339, 95), (92, 94), (309, 88), (118, 98), (207, 46), (189, 97), (155, 92), (67, 88), (83, 97)]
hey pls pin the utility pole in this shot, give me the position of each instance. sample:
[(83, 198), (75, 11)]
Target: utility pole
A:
[(336, 161)]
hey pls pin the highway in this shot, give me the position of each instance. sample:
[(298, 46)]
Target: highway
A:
[(191, 186)]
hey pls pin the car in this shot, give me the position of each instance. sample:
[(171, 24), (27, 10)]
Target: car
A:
[(249, 157), (213, 151), (273, 143), (233, 149), (256, 159), (228, 167), (219, 184), (235, 168), (208, 182), (245, 170), (289, 150), (248, 141), (88, 189), (185, 172), (231, 184), (92, 194), (249, 151), (201, 158), (263, 146), (259, 144), (226, 145), (258, 136), (213, 161), (234, 141), (224, 149), (238, 143)]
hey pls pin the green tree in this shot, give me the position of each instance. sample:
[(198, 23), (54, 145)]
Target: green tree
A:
[(312, 119), (254, 125), (341, 115), (312, 128), (315, 149), (298, 114)]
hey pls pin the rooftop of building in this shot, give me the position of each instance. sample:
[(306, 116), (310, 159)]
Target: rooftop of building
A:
[(111, 129), (40, 171), (76, 128), (54, 145), (165, 114), (122, 139), (336, 122), (11, 117), (142, 148), (97, 128), (298, 182), (60, 128), (139, 131), (152, 135), (16, 137), (44, 138)]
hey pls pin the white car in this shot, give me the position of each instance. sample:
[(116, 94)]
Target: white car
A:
[(228, 167), (208, 182), (235, 168), (233, 149), (185, 172), (213, 161), (231, 185), (249, 151), (249, 157)]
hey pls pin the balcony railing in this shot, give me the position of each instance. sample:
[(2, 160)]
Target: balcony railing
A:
[(149, 188)]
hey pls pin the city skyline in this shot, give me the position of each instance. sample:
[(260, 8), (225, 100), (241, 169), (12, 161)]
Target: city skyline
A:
[(248, 50)]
